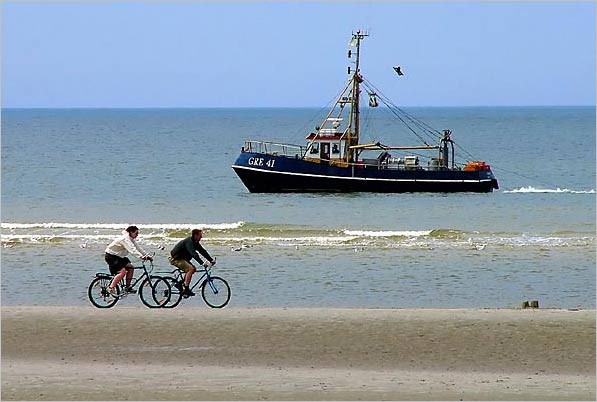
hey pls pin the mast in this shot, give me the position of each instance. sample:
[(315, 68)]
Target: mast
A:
[(352, 137)]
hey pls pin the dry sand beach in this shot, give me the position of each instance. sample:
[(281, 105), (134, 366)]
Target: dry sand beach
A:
[(82, 353)]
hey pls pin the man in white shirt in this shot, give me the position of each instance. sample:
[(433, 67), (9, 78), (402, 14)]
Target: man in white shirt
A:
[(116, 259)]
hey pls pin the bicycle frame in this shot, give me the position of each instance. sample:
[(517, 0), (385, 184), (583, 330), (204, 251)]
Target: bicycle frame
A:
[(216, 295), (146, 274), (178, 274)]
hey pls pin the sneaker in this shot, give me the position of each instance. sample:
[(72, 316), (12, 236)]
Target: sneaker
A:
[(130, 289), (188, 292), (113, 291), (179, 286)]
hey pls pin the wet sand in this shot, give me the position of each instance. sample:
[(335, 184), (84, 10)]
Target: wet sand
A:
[(83, 353)]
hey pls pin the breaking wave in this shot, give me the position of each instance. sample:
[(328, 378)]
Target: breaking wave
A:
[(122, 226), (242, 234), (388, 233)]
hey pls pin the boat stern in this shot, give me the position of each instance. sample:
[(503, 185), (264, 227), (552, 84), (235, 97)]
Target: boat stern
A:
[(484, 171), (494, 183)]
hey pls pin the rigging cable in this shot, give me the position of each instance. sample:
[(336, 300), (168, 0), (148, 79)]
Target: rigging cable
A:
[(366, 119), (318, 113), (430, 130), (431, 133), (425, 127), (382, 97)]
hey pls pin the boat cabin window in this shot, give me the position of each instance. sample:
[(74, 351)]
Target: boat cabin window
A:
[(314, 149), (335, 149)]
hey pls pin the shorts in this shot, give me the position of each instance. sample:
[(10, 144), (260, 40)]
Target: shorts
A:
[(116, 263), (180, 264)]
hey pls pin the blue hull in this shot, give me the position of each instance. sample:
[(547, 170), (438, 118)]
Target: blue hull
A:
[(266, 173)]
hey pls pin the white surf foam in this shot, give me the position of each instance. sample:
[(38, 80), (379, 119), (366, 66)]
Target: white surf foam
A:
[(387, 233), (531, 189), (121, 226)]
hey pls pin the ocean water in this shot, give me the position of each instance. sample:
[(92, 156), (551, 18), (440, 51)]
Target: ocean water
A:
[(73, 179)]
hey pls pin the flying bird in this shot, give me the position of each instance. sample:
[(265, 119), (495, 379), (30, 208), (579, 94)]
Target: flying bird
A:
[(398, 71)]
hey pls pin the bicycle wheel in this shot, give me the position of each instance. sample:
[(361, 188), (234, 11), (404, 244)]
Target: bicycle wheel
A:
[(154, 292), (98, 293), (175, 293), (215, 292)]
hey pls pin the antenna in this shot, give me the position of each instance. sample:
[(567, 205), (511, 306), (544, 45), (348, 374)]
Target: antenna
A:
[(352, 133)]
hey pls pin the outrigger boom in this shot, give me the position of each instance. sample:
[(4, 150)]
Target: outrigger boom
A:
[(378, 146)]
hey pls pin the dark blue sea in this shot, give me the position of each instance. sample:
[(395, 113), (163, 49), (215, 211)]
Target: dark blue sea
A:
[(72, 179)]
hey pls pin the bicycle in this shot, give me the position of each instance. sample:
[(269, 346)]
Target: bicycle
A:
[(215, 291), (154, 291)]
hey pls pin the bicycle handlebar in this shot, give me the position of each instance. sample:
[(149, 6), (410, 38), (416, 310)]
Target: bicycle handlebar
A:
[(142, 266)]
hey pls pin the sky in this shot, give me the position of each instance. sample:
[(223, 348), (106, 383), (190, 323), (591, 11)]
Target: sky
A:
[(294, 54)]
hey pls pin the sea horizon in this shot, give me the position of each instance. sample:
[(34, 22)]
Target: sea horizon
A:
[(11, 108)]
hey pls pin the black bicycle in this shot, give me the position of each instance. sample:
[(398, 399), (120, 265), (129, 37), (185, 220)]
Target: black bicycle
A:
[(154, 291), (215, 291)]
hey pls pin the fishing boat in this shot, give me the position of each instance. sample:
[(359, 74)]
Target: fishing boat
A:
[(335, 160)]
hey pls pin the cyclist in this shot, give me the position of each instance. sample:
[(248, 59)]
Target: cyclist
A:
[(182, 254), (117, 261)]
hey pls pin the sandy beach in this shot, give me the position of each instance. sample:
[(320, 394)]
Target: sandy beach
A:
[(82, 353)]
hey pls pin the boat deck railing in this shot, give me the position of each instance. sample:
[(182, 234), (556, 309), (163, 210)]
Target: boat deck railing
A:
[(274, 148), (297, 151)]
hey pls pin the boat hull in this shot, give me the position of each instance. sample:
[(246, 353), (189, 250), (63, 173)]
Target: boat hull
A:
[(266, 173)]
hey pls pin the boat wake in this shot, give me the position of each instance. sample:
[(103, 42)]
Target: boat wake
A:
[(558, 190)]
